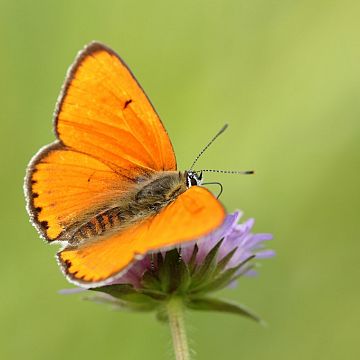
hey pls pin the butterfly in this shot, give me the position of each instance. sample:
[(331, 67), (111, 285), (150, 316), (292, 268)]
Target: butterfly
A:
[(108, 189)]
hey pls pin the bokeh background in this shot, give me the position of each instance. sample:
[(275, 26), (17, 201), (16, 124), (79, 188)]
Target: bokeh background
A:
[(286, 76)]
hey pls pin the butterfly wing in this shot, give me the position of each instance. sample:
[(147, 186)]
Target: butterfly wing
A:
[(103, 112), (109, 136), (98, 263)]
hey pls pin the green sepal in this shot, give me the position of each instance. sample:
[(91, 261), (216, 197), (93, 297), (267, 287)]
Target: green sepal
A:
[(129, 297), (192, 261), (166, 270), (154, 294), (116, 290), (182, 277), (119, 304), (159, 259), (173, 273), (150, 280), (205, 271), (220, 281), (221, 305), (216, 284), (224, 261), (245, 268)]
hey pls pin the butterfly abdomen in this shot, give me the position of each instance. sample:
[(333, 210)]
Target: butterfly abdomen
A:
[(99, 225)]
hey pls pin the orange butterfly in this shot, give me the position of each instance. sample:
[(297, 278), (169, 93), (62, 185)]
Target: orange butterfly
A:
[(108, 189)]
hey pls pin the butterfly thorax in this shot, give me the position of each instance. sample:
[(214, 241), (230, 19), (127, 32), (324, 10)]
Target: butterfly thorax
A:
[(146, 199)]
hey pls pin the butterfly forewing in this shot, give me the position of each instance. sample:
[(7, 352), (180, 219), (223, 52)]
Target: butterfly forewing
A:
[(104, 112)]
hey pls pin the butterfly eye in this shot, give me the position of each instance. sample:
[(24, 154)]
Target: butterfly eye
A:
[(193, 179), (189, 179)]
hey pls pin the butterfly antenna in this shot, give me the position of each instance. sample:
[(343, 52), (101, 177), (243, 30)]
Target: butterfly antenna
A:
[(239, 172), (211, 141)]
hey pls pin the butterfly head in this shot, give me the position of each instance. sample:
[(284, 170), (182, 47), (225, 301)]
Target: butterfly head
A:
[(193, 178)]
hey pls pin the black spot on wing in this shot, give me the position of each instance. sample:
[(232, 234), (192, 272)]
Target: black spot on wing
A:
[(45, 225), (127, 103)]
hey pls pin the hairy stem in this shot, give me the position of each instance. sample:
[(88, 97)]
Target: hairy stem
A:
[(175, 311)]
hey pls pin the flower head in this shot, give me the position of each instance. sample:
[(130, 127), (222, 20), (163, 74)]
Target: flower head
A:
[(191, 271), (234, 244)]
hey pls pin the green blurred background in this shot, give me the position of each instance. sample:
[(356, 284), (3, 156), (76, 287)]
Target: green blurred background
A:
[(286, 76)]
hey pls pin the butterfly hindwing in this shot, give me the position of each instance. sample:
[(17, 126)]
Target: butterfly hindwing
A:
[(100, 262)]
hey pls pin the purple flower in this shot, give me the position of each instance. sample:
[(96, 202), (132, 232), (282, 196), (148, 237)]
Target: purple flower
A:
[(237, 238), (190, 272)]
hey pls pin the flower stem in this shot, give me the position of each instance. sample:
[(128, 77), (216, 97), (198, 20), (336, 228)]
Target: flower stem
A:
[(175, 311)]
